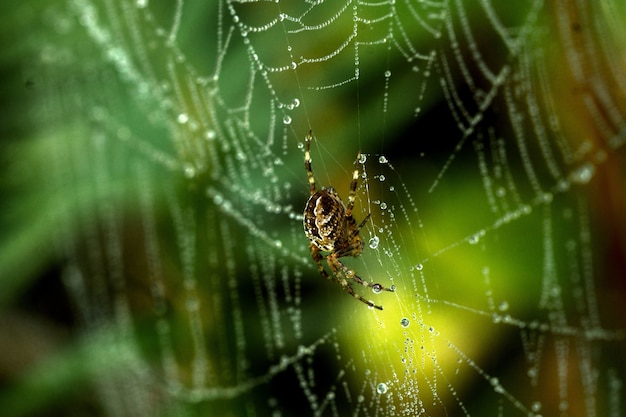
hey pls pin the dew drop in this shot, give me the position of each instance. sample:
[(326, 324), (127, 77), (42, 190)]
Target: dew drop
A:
[(383, 206), (583, 174), (387, 74), (296, 102), (210, 134), (381, 388), (373, 243), (182, 118), (192, 304), (381, 178), (404, 322), (287, 119), (474, 239), (382, 159), (546, 197), (189, 171), (362, 158), (377, 288)]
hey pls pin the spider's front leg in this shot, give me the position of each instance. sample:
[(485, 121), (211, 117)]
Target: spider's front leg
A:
[(343, 273)]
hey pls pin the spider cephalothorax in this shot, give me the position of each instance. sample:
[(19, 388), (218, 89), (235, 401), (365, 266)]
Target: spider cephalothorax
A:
[(330, 227)]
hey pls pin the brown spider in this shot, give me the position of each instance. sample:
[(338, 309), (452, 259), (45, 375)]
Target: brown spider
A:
[(331, 228)]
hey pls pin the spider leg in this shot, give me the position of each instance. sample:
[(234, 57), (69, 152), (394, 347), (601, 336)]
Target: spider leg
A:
[(360, 226), (338, 265), (307, 162), (353, 186), (339, 274), (342, 272), (317, 257), (349, 251)]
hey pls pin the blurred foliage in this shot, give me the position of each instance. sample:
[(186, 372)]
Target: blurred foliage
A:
[(58, 80)]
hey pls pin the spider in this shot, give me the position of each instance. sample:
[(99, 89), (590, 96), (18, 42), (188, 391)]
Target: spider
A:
[(330, 227)]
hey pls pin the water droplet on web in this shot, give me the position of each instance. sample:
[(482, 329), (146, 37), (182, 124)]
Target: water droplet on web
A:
[(373, 243), (404, 322), (583, 174), (192, 304), (296, 102), (546, 197), (189, 171), (387, 74), (383, 206), (535, 406), (362, 158), (182, 118), (377, 288), (381, 388), (474, 239), (381, 178), (210, 134), (495, 383), (419, 267), (293, 65), (382, 159), (287, 119), (504, 306)]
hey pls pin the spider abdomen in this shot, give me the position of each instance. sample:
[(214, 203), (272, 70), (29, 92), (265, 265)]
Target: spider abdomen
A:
[(324, 218)]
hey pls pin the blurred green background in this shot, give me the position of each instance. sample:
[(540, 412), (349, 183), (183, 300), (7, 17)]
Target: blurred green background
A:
[(120, 142)]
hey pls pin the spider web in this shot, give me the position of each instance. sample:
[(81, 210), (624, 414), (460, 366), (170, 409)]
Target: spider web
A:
[(170, 142)]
